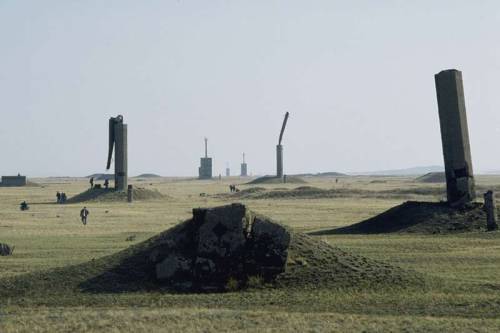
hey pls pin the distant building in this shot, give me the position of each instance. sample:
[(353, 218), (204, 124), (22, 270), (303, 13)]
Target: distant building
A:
[(14, 180)]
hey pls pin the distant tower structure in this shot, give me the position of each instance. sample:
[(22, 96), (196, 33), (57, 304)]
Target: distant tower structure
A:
[(228, 170), (279, 150), (244, 169), (205, 169), (118, 141), (455, 137)]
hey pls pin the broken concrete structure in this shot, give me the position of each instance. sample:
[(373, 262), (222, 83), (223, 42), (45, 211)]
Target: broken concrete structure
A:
[(279, 150), (219, 244), (6, 250), (205, 169), (14, 181), (118, 141), (455, 137), (491, 211), (244, 168)]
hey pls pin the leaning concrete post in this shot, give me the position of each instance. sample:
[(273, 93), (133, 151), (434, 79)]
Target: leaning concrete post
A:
[(491, 211), (455, 137), (130, 193)]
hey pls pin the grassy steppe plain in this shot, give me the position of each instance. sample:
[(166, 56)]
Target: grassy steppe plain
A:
[(465, 268)]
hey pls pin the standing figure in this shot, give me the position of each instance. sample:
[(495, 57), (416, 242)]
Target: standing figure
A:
[(106, 183), (84, 213), (58, 196), (63, 197), (91, 181)]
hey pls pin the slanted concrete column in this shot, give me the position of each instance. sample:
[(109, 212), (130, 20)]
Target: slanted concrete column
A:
[(455, 137), (130, 193), (491, 211), (121, 167), (279, 161)]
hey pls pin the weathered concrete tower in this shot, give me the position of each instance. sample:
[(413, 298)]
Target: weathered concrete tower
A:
[(279, 150), (228, 172), (455, 137), (118, 140), (244, 169), (205, 169)]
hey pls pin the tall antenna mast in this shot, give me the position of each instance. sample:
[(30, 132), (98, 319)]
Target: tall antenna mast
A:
[(206, 147)]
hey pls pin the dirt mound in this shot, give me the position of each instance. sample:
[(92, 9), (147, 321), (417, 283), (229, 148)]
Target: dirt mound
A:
[(224, 248), (419, 217), (148, 175), (311, 192), (432, 177), (248, 192), (110, 195), (277, 180), (102, 176)]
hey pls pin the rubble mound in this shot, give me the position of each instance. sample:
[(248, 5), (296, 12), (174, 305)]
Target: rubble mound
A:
[(110, 195), (277, 180), (420, 217), (432, 177), (220, 249)]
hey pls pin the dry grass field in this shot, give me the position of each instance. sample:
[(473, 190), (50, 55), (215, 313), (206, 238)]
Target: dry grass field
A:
[(463, 270)]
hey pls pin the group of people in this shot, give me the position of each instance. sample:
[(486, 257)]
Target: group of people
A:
[(91, 181), (61, 197), (233, 188)]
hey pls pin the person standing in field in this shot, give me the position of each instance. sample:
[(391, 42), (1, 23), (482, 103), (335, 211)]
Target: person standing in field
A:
[(84, 213), (91, 181)]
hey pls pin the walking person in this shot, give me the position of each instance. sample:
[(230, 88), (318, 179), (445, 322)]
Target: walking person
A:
[(91, 181), (84, 213)]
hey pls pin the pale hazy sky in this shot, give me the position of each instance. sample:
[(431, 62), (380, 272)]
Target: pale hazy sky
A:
[(356, 76)]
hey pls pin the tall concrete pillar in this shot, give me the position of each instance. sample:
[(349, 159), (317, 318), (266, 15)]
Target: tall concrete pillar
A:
[(121, 166), (205, 169), (279, 161), (244, 168), (455, 137), (118, 143)]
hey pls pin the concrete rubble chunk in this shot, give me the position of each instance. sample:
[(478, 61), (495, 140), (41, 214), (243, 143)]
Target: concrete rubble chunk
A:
[(219, 244), (6, 250)]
